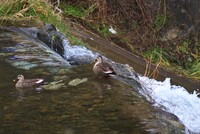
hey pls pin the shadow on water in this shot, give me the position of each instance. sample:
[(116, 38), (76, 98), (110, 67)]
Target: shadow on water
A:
[(97, 106)]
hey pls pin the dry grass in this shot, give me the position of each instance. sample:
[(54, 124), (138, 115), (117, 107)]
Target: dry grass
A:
[(149, 72)]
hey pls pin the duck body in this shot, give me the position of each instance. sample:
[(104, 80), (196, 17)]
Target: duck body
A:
[(103, 69), (25, 83)]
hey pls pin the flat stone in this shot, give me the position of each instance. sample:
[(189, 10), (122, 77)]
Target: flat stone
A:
[(77, 81), (56, 85)]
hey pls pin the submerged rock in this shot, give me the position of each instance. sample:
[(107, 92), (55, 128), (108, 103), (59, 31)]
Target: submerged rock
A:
[(24, 65), (54, 85), (26, 52), (77, 81)]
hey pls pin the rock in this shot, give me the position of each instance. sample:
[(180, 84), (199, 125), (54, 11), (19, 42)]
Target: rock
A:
[(24, 51), (80, 60), (77, 81), (126, 71), (171, 34), (54, 85), (24, 65), (52, 38)]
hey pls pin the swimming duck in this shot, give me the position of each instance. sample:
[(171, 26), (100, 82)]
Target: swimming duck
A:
[(24, 83), (103, 69)]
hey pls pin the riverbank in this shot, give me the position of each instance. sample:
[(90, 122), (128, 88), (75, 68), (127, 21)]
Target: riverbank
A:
[(136, 105), (118, 54), (151, 89), (155, 35), (30, 13)]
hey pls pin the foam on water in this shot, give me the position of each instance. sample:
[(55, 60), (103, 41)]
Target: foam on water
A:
[(77, 51), (176, 100)]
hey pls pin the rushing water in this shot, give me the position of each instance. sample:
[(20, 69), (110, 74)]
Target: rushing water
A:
[(171, 98), (167, 95), (108, 106), (176, 100)]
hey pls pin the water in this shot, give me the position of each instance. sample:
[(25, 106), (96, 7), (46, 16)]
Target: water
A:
[(176, 100), (171, 98), (98, 106), (107, 106), (77, 53)]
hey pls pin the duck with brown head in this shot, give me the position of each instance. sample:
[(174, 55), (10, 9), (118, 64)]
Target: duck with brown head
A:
[(103, 69), (25, 83)]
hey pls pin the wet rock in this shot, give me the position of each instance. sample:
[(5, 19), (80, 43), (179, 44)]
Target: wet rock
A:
[(56, 85), (24, 65), (78, 55), (49, 37), (76, 60), (77, 81), (23, 51), (53, 38), (125, 71), (50, 27)]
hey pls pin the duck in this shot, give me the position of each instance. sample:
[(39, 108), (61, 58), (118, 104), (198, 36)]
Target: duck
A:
[(25, 83), (103, 69)]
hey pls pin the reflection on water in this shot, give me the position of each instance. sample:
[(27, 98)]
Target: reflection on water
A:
[(97, 106)]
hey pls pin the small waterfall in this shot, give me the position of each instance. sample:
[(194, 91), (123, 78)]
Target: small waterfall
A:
[(77, 55), (171, 98)]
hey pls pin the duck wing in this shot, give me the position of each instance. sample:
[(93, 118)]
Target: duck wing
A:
[(107, 68), (34, 81)]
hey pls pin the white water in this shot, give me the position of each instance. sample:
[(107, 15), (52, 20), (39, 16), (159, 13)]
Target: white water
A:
[(77, 52), (176, 100)]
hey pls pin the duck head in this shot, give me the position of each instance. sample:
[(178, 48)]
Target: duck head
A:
[(99, 59), (20, 77)]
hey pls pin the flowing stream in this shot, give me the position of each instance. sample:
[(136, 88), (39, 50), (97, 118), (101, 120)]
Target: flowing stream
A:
[(169, 97), (127, 104)]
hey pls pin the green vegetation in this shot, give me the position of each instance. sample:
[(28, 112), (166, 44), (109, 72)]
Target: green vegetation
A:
[(157, 55), (79, 12), (32, 11), (102, 29), (74, 40), (195, 68), (159, 22), (141, 27), (74, 11), (189, 61), (16, 10)]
